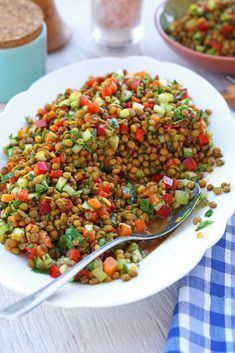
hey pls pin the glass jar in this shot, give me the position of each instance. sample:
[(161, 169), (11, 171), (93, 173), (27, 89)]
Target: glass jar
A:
[(117, 23)]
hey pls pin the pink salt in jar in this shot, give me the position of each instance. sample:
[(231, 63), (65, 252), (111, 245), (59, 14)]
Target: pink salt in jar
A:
[(117, 23)]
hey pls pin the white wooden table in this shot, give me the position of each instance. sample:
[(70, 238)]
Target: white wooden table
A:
[(136, 328)]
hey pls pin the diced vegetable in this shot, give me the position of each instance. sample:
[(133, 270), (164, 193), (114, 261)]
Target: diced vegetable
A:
[(40, 168), (110, 265), (125, 230), (182, 197), (190, 163), (140, 225), (124, 113), (61, 183), (99, 274)]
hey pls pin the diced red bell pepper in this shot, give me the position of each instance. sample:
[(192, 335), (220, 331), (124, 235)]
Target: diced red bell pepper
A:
[(168, 127), (62, 157), (32, 252), (134, 84), (104, 190), (56, 173), (83, 272), (148, 105), (203, 140), (101, 130), (167, 198), (12, 180), (41, 123), (91, 81), (203, 27), (128, 104), (164, 211), (23, 196), (156, 177), (52, 148), (74, 254), (185, 90), (227, 29), (54, 271), (102, 212), (190, 163), (215, 44), (123, 128), (93, 107), (140, 135), (170, 163), (56, 160), (111, 208), (44, 207), (83, 100), (113, 85), (59, 123), (40, 168), (106, 92), (135, 99)]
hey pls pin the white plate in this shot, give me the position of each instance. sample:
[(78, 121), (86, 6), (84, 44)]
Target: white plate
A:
[(181, 251)]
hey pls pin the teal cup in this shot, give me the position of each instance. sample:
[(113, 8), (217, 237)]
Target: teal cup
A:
[(21, 66)]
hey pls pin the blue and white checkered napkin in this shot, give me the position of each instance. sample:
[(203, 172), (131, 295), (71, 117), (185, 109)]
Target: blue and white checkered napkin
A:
[(204, 316)]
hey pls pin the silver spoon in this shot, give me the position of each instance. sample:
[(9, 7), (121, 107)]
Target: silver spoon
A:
[(32, 301)]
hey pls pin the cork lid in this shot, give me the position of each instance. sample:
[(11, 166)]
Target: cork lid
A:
[(20, 22)]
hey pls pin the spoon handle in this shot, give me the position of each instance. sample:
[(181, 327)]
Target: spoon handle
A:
[(32, 301)]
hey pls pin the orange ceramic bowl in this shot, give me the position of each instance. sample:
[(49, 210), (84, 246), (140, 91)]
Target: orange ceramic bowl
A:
[(165, 14)]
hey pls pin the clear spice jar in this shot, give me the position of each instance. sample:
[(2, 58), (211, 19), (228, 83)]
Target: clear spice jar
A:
[(117, 23)]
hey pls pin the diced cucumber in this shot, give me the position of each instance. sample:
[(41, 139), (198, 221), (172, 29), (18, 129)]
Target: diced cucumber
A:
[(166, 97), (17, 234), (138, 108), (76, 148), (63, 268), (39, 188), (126, 95), (3, 227), (188, 152), (22, 183), (124, 113), (114, 141), (86, 206), (121, 263), (166, 106), (99, 274), (132, 267), (89, 227), (61, 183), (158, 205), (99, 101), (86, 135), (161, 138), (137, 254), (32, 195), (158, 109), (70, 191), (182, 197)]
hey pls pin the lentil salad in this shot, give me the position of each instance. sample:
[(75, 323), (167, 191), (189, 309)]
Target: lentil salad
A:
[(207, 27), (101, 162)]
